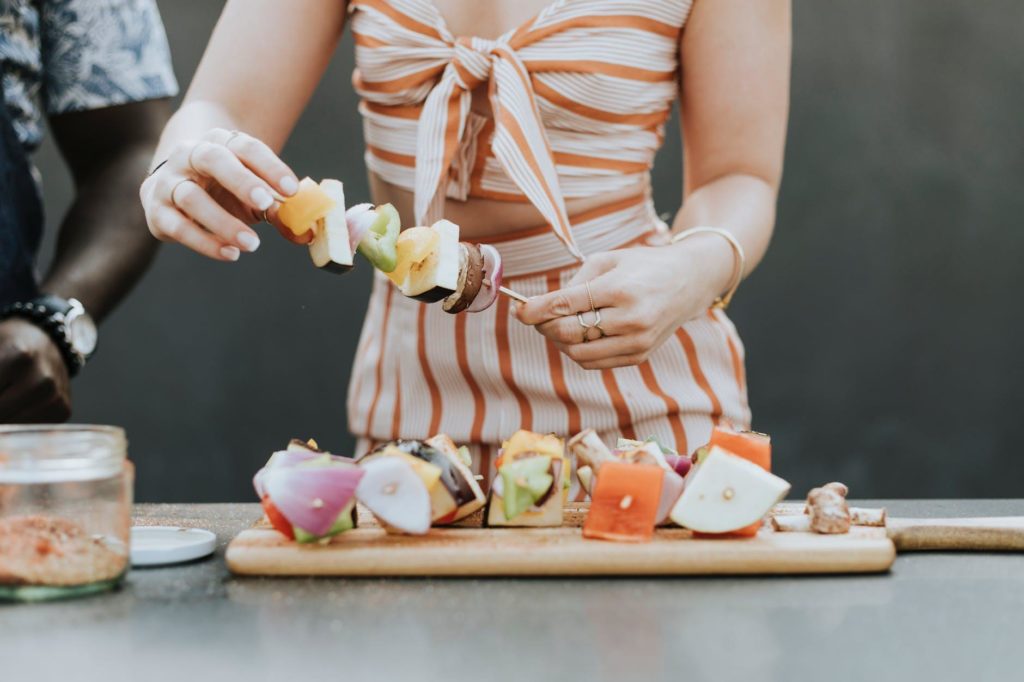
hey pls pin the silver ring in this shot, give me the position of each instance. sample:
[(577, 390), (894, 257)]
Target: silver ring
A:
[(265, 218), (595, 323), (174, 189), (593, 309), (232, 135)]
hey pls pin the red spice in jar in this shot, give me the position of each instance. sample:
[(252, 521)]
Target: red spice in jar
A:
[(39, 550)]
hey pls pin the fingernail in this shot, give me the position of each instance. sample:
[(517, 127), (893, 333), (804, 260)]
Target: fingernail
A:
[(230, 252), (262, 198), (249, 241), (289, 185)]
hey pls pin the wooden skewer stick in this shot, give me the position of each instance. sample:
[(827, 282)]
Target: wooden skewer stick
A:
[(513, 294), (508, 292)]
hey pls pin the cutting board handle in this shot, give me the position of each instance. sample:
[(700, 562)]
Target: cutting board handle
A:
[(997, 533)]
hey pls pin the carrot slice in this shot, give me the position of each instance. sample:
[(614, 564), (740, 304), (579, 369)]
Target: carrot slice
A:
[(624, 503), (300, 212), (751, 446), (755, 447)]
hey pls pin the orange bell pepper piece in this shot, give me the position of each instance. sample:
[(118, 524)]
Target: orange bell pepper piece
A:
[(624, 503)]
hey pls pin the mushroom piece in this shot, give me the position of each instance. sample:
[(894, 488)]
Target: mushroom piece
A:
[(827, 509), (791, 523), (861, 516), (589, 450)]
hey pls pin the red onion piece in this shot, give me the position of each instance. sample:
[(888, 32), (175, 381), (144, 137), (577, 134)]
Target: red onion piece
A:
[(671, 489), (359, 219), (282, 458), (493, 273), (311, 498), (681, 465)]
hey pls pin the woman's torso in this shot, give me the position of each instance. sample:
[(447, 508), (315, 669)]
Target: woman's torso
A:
[(480, 218), (628, 25)]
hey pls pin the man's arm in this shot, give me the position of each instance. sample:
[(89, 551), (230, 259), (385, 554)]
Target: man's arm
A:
[(102, 249)]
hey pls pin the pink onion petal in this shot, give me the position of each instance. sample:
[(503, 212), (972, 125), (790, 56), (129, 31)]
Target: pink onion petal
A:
[(681, 465), (311, 498), (281, 458), (257, 482), (359, 219), (671, 489), (493, 272)]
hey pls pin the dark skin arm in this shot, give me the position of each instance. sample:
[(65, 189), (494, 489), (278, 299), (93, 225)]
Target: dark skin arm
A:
[(103, 248)]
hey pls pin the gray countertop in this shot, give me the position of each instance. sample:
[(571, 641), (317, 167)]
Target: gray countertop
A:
[(934, 617)]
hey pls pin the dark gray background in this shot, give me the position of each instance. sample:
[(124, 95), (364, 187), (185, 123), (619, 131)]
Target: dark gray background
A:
[(882, 330)]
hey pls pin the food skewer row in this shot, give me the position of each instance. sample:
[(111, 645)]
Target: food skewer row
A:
[(410, 485), (309, 495), (427, 263)]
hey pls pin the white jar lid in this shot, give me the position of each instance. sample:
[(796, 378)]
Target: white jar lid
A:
[(163, 545)]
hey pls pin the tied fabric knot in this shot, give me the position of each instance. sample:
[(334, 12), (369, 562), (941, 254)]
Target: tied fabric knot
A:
[(471, 62), (519, 142)]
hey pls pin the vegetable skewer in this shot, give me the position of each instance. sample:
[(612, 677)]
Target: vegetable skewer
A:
[(427, 263)]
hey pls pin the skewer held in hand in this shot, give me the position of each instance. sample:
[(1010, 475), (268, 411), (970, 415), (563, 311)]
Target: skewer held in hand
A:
[(508, 292)]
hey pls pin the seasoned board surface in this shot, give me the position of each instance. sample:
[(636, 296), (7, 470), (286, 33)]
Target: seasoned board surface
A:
[(370, 551)]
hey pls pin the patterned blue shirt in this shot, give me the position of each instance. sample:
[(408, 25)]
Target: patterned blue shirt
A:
[(73, 55)]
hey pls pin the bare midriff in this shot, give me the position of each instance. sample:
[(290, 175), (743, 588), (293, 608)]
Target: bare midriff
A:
[(480, 218)]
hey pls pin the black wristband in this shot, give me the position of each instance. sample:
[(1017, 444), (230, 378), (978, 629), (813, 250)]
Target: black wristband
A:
[(41, 313)]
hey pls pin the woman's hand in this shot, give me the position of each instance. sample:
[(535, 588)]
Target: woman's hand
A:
[(209, 192), (643, 295)]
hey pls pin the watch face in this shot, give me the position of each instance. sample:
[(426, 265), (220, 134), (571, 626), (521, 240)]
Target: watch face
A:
[(82, 334)]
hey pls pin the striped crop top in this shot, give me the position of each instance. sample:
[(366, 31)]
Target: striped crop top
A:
[(579, 96)]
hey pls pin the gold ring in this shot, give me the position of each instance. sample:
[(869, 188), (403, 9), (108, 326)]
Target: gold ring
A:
[(265, 218), (593, 309), (174, 189)]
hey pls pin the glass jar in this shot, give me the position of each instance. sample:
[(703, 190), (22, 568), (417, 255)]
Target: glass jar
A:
[(65, 510)]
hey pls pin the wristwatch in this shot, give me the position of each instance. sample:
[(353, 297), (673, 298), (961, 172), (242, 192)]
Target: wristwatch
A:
[(67, 323)]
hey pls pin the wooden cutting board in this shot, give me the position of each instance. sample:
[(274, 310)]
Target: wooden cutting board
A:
[(461, 551)]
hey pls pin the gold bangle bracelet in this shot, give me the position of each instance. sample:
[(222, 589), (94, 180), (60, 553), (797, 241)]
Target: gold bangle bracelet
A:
[(740, 260)]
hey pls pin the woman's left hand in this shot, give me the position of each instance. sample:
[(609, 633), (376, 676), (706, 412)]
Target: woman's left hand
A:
[(643, 294)]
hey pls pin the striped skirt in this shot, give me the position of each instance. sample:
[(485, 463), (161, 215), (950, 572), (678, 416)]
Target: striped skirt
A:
[(480, 377)]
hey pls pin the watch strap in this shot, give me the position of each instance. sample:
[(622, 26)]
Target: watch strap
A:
[(47, 313)]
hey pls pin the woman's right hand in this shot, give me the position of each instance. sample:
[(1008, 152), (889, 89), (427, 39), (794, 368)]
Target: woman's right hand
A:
[(209, 193)]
